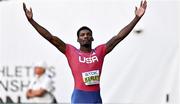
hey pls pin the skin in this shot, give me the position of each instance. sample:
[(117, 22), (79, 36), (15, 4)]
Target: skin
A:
[(39, 71), (85, 40), (85, 37)]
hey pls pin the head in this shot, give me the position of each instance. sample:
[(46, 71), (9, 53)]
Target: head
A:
[(84, 36), (40, 68)]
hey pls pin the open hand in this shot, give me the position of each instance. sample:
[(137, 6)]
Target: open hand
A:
[(28, 13), (141, 10)]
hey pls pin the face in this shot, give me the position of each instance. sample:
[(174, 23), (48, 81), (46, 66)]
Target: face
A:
[(39, 70), (85, 37)]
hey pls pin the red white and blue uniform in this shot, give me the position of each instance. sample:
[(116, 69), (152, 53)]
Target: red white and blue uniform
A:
[(86, 68)]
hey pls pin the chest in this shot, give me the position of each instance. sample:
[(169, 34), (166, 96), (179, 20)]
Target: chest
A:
[(36, 84), (85, 61), (88, 59)]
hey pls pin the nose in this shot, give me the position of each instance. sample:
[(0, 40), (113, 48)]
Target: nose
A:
[(86, 36)]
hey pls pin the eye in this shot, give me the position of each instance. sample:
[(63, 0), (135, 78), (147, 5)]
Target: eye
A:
[(82, 34), (89, 34)]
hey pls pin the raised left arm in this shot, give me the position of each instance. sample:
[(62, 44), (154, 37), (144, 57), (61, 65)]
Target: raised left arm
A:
[(139, 12)]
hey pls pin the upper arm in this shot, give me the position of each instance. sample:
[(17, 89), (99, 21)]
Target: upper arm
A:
[(58, 43), (112, 43), (47, 84)]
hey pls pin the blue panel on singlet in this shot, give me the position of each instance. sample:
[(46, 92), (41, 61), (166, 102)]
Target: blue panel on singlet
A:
[(86, 97)]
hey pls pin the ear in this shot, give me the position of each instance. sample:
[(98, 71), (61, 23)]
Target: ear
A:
[(92, 39)]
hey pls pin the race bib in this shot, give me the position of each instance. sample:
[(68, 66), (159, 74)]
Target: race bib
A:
[(91, 77)]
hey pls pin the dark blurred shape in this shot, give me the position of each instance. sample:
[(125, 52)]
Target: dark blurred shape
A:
[(138, 31), (4, 0), (167, 98)]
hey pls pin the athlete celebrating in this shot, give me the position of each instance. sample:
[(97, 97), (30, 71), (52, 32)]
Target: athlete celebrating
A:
[(86, 63)]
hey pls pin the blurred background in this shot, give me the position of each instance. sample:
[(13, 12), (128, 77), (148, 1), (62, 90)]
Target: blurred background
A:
[(142, 69)]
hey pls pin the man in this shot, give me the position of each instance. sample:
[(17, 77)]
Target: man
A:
[(86, 63), (40, 89)]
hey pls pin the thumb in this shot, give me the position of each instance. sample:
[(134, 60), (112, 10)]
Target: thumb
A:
[(136, 8), (24, 6), (30, 9)]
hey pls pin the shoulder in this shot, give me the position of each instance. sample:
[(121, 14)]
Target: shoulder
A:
[(46, 77), (70, 49), (69, 46), (101, 49)]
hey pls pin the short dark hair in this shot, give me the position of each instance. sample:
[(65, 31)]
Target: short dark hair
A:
[(83, 28)]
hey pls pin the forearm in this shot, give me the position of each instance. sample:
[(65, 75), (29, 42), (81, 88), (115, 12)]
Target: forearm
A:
[(127, 29), (121, 35), (41, 30), (139, 12), (36, 93), (29, 94), (58, 43)]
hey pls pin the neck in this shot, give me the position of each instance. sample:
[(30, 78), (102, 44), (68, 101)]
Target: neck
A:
[(86, 48), (39, 75)]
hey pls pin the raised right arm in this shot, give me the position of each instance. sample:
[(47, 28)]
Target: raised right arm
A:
[(58, 43)]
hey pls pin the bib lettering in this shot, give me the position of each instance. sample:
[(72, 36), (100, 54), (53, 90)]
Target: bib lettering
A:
[(91, 77)]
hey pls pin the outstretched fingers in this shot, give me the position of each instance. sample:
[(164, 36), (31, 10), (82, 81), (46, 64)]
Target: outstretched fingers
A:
[(136, 8), (30, 9), (24, 7), (144, 4), (141, 4)]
